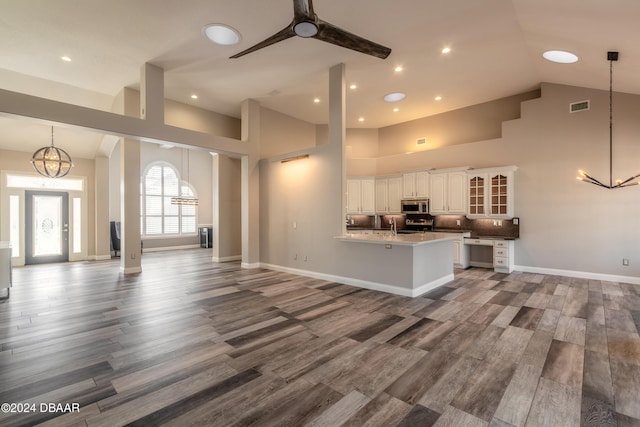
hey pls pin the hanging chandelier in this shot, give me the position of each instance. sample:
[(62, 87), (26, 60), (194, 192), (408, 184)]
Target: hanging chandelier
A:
[(619, 183), (51, 161), (185, 200)]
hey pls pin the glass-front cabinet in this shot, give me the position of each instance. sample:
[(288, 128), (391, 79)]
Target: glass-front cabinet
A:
[(491, 192), (477, 195)]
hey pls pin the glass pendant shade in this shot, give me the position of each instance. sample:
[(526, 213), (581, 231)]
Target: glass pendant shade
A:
[(51, 161)]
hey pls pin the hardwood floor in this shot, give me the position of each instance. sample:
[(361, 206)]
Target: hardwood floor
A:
[(192, 342)]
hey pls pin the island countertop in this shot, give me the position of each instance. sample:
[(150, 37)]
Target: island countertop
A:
[(400, 239)]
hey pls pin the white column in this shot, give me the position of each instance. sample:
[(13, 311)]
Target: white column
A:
[(337, 126), (130, 206), (152, 94), (251, 185), (102, 233)]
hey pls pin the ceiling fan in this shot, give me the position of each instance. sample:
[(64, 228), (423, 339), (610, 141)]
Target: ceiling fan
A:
[(307, 24)]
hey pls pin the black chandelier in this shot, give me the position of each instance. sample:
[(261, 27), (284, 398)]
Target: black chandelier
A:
[(619, 183), (51, 161)]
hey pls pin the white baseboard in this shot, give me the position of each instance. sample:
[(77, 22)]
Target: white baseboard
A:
[(579, 274), (226, 258), (250, 265), (374, 286), (170, 248), (102, 257), (132, 270)]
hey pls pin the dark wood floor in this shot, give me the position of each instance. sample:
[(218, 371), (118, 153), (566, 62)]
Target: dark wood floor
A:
[(191, 342)]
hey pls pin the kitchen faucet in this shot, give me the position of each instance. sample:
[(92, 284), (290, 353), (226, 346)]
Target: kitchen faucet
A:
[(392, 224)]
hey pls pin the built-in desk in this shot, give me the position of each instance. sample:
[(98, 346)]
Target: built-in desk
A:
[(5, 269)]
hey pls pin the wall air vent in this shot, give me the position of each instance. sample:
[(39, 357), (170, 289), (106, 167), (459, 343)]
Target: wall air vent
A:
[(421, 141), (574, 107)]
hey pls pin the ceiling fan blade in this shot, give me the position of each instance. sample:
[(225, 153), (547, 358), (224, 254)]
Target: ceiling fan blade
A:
[(303, 9), (283, 34), (331, 34)]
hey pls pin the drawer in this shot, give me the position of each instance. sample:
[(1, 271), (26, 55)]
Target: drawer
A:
[(500, 252), (501, 244), (500, 262), (479, 242)]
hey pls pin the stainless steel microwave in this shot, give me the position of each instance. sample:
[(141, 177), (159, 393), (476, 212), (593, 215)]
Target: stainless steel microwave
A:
[(417, 206)]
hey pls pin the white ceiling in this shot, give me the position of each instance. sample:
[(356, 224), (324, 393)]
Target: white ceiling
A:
[(496, 52)]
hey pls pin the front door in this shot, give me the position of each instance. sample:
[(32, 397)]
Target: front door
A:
[(46, 227)]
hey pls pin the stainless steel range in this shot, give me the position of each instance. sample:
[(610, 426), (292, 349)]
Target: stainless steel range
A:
[(418, 223)]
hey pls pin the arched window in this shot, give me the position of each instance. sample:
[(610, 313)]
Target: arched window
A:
[(158, 217)]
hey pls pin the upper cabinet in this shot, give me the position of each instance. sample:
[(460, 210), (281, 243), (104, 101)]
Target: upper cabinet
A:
[(361, 196), (491, 192), (448, 193), (388, 195), (415, 185)]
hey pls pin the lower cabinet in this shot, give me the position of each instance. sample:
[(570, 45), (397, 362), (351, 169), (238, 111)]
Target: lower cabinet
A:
[(503, 255), (488, 253), (461, 252)]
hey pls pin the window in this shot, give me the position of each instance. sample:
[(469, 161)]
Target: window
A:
[(158, 216)]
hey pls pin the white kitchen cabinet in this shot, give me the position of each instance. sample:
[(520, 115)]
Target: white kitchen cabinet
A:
[(361, 196), (415, 185), (478, 190), (491, 192), (388, 195), (448, 193), (503, 254), (461, 252)]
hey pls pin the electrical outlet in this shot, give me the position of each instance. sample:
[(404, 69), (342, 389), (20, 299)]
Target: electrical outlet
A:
[(499, 223), (625, 261), (295, 225), (516, 221), (295, 257), (457, 222), (305, 257), (388, 246)]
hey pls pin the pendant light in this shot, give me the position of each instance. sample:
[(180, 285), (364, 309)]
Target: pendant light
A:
[(184, 200), (584, 176), (51, 161)]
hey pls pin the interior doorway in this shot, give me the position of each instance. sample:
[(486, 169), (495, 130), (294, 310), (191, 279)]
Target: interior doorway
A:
[(46, 227)]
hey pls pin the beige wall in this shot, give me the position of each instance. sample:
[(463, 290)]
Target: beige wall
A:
[(474, 123), (281, 134)]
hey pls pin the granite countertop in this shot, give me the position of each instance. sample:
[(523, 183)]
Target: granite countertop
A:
[(400, 239)]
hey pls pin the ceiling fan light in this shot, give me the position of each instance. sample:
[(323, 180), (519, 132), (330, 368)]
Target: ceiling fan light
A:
[(305, 29), (221, 34)]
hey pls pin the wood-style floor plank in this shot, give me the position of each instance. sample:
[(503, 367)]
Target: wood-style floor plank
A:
[(193, 342)]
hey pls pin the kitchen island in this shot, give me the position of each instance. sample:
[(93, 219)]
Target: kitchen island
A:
[(407, 264)]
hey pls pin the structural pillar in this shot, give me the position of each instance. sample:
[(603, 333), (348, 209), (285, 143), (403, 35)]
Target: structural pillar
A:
[(250, 185)]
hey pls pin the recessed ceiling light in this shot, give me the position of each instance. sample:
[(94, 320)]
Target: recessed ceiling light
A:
[(316, 100), (65, 58), (394, 97), (398, 69), (194, 96), (438, 98), (221, 34), (395, 110), (353, 86), (361, 119), (560, 56), (446, 50)]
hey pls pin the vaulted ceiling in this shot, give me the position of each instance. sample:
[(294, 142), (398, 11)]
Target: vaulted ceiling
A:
[(496, 51)]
